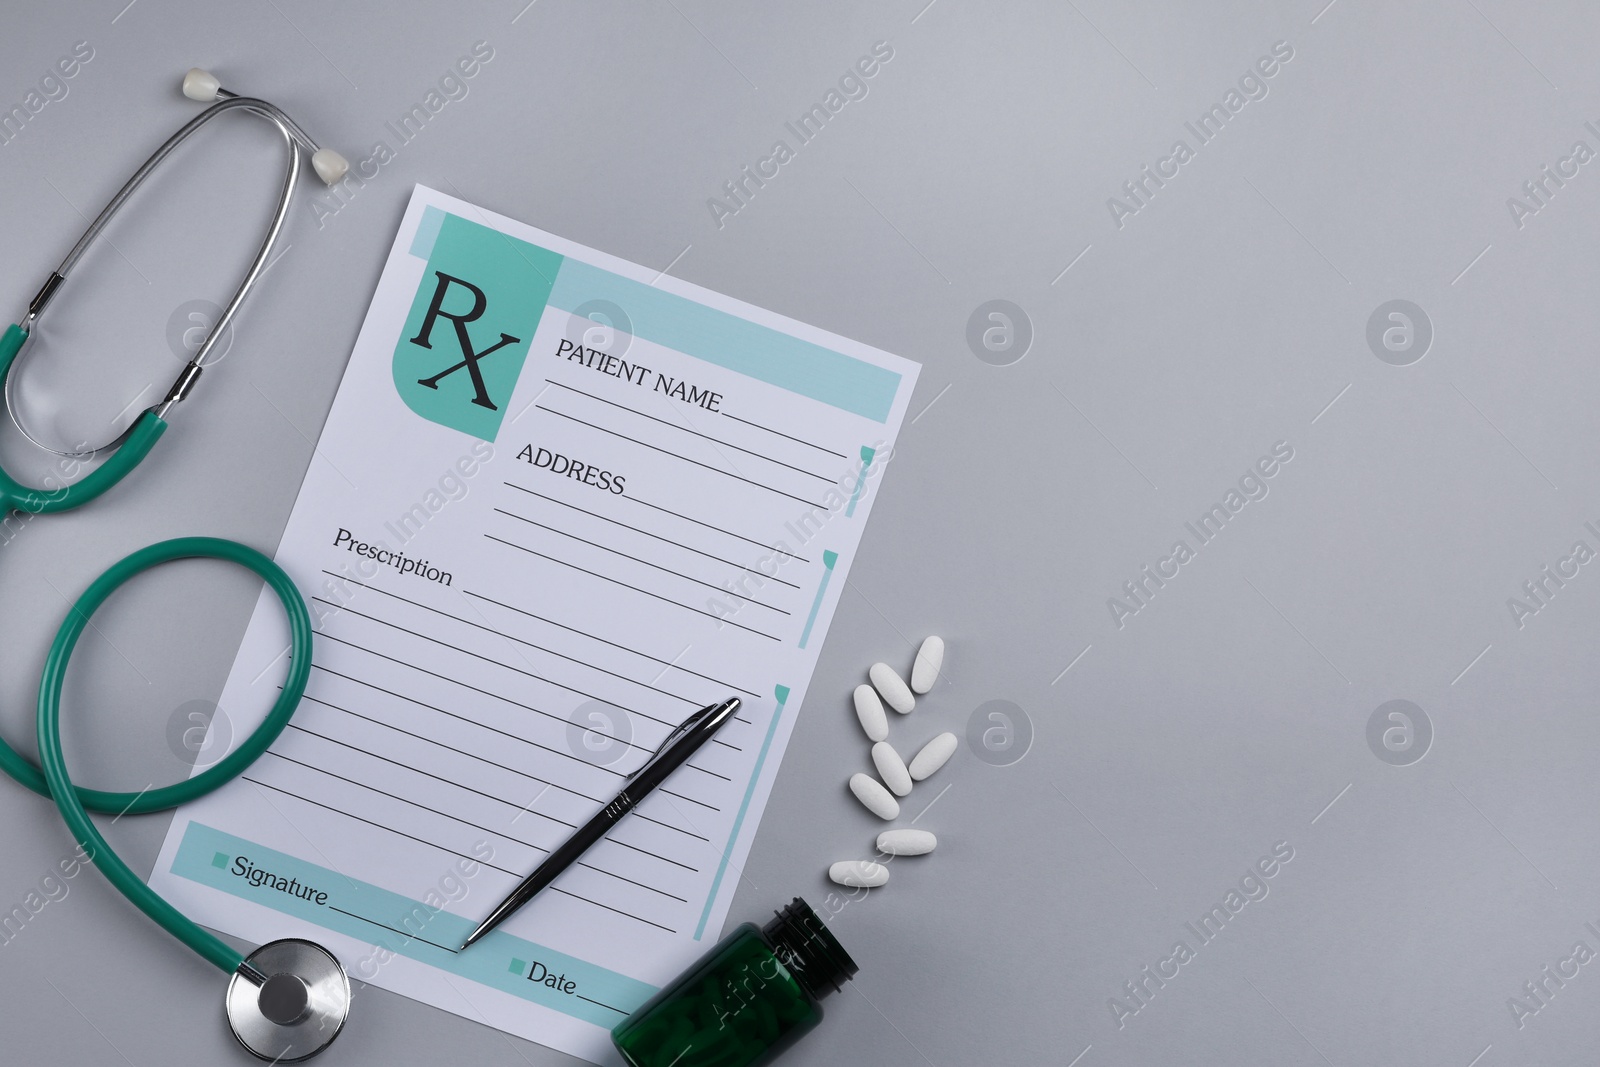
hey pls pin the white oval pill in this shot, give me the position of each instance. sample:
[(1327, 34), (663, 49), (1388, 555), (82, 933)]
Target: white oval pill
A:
[(932, 756), (869, 709), (860, 873), (877, 799), (894, 691), (906, 842), (925, 671), (891, 768)]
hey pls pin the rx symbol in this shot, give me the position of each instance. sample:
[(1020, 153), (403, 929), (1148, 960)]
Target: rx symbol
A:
[(469, 358)]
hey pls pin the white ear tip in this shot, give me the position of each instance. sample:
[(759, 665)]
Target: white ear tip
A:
[(200, 85), (330, 166)]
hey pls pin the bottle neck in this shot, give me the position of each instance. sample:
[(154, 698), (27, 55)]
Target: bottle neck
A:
[(805, 945)]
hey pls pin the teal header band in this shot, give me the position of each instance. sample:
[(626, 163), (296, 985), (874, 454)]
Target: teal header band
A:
[(740, 345), (483, 293), (405, 927), (427, 232)]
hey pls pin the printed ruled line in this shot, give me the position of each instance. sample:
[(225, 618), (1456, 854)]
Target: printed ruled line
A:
[(483, 759), (686, 459), (704, 770), (426, 774), (602, 640), (379, 825), (407, 934), (546, 714), (647, 533), (608, 907), (636, 589), (454, 818), (475, 722), (507, 666), (496, 696), (780, 433), (692, 800), (491, 660), (666, 570), (541, 648), (647, 852), (518, 640), (446, 678), (451, 748), (709, 526), (717, 440), (450, 851), (598, 1004), (630, 881)]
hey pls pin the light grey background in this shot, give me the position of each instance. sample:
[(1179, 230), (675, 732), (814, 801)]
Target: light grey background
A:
[(1227, 315)]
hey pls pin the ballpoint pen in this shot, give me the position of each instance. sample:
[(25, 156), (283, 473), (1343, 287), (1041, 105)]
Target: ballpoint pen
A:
[(683, 742)]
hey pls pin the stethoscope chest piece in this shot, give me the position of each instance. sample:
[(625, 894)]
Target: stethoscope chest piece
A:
[(298, 1005)]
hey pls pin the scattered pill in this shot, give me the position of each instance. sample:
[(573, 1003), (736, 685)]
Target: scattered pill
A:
[(877, 799), (869, 709), (891, 768), (933, 755), (859, 873), (893, 689), (906, 842), (925, 671)]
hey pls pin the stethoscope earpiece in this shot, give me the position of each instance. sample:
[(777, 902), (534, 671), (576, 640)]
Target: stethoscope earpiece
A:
[(288, 1000), (330, 166), (203, 86)]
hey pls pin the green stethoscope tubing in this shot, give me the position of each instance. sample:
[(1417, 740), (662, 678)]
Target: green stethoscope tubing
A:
[(136, 444), (76, 802)]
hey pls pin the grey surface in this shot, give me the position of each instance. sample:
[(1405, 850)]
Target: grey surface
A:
[(1229, 714)]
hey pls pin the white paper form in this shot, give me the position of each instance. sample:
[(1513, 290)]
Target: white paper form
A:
[(560, 503)]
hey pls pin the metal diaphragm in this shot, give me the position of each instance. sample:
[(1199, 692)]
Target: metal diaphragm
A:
[(298, 1010)]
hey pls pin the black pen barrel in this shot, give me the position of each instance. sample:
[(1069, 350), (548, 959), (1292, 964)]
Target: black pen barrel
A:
[(571, 850), (674, 753)]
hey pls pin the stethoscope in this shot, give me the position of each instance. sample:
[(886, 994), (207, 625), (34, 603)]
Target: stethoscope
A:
[(288, 999)]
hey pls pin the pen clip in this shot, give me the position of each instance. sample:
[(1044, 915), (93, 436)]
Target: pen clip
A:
[(716, 712), (678, 731)]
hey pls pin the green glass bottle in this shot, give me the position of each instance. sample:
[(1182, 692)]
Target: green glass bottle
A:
[(744, 1002)]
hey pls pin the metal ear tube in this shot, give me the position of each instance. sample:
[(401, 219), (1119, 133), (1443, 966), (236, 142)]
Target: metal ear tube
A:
[(199, 85), (289, 999)]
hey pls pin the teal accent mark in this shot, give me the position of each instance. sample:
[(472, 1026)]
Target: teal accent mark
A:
[(782, 693), (221, 860), (427, 232), (755, 351), (828, 560), (399, 925), (861, 480)]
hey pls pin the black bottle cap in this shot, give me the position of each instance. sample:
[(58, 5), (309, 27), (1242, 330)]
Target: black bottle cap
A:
[(809, 950)]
